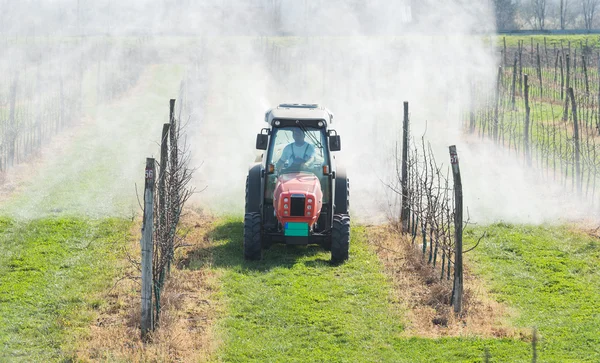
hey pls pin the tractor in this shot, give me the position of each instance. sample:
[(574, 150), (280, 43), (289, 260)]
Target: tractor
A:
[(295, 194)]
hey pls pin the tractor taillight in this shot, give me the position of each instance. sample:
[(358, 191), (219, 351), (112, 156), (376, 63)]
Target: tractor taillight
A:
[(325, 169)]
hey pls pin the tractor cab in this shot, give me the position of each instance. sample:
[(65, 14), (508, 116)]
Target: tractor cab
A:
[(295, 195)]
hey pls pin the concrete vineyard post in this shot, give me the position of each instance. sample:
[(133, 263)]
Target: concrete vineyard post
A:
[(514, 81), (576, 140), (539, 69), (147, 247), (504, 53), (520, 65), (162, 178), (12, 122), (496, 104), (457, 292), (404, 214), (173, 175), (585, 75), (527, 119), (567, 85)]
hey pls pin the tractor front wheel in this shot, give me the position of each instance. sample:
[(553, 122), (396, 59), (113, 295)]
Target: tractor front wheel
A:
[(252, 236), (340, 238)]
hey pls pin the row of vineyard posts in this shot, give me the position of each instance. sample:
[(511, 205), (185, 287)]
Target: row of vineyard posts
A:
[(431, 209), (432, 212), (545, 108), (163, 205), (48, 83)]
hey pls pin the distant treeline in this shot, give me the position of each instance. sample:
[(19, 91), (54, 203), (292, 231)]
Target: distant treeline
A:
[(547, 15)]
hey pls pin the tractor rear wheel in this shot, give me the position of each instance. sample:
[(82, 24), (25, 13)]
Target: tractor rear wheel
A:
[(253, 182), (252, 236), (342, 192), (340, 238)]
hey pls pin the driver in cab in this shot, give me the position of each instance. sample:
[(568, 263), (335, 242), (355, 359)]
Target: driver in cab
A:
[(297, 154)]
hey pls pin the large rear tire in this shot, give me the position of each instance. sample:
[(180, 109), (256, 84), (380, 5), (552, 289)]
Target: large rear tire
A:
[(340, 238), (252, 236), (253, 195), (342, 192)]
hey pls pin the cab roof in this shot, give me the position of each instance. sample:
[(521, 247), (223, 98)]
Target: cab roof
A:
[(298, 111)]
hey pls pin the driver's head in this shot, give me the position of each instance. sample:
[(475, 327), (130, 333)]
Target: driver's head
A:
[(298, 135)]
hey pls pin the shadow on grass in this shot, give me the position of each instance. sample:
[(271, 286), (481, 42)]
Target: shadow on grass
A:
[(225, 250)]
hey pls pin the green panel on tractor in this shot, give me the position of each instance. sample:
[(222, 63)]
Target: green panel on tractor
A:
[(296, 229)]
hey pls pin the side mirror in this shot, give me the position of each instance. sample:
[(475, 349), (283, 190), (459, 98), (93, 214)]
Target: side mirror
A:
[(262, 141), (335, 143)]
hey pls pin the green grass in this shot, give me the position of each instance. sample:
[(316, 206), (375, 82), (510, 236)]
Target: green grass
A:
[(551, 275), (575, 39), (50, 270), (295, 306)]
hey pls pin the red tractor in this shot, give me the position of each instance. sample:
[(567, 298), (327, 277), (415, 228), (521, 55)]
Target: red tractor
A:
[(296, 195)]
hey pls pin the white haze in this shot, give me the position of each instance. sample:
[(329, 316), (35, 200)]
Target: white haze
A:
[(360, 59)]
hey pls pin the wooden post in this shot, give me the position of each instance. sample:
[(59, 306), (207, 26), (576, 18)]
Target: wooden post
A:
[(546, 51), (585, 73), (514, 82), (147, 247), (562, 79), (531, 53), (497, 104), (504, 40), (404, 213), (174, 197), (471, 108), (539, 70), (598, 114), (576, 139), (520, 65), (526, 127), (162, 179), (457, 291), (567, 85), (12, 123)]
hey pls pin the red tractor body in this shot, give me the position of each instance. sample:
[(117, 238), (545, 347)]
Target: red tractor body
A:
[(298, 198)]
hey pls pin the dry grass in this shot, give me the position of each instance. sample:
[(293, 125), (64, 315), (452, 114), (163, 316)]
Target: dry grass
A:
[(426, 298), (189, 308)]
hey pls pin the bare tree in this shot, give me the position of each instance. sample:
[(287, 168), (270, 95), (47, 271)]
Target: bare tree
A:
[(589, 11), (564, 10), (539, 13), (505, 11)]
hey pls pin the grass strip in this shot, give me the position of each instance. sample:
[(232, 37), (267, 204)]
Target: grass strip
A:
[(295, 306), (551, 276), (50, 272)]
